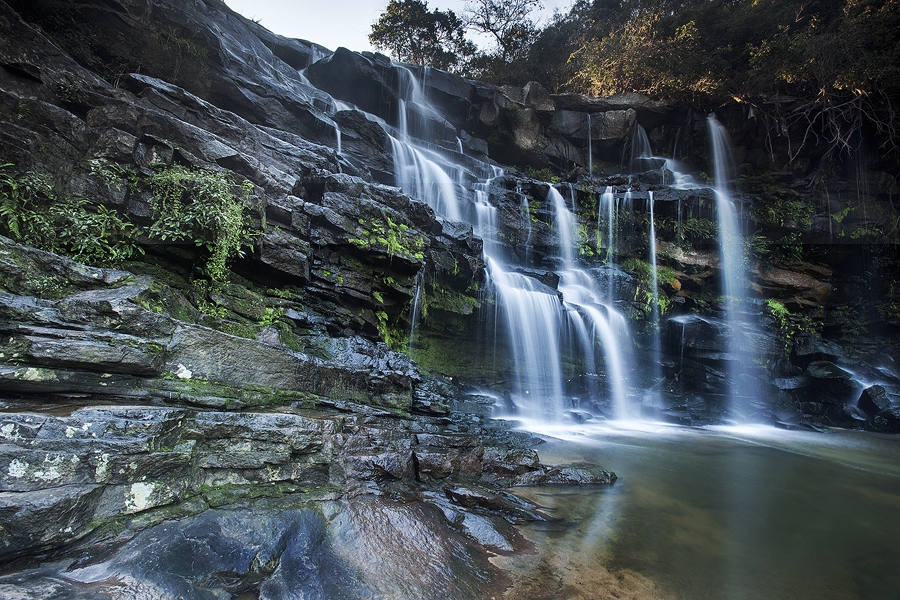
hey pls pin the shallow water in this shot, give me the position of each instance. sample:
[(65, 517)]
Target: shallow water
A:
[(726, 513)]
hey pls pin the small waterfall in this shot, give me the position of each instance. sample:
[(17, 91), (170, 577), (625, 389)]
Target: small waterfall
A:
[(419, 173), (415, 309), (594, 316), (565, 227), (654, 302), (640, 149), (525, 211), (733, 273), (535, 347), (337, 133), (608, 199)]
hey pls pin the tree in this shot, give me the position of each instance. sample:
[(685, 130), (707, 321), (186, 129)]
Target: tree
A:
[(507, 21), (412, 33)]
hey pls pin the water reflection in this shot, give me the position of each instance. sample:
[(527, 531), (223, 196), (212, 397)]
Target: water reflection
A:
[(737, 513)]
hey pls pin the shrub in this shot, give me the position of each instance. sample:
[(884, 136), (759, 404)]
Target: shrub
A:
[(199, 207), (32, 214)]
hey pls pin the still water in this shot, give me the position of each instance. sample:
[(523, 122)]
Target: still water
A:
[(729, 513)]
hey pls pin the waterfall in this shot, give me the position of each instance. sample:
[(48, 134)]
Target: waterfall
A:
[(608, 200), (640, 148), (733, 272), (566, 346), (415, 308), (654, 301), (596, 319)]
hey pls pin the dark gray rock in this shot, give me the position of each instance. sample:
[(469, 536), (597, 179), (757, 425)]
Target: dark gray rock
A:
[(45, 519), (873, 400), (825, 370)]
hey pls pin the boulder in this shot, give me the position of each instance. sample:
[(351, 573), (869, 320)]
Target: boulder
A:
[(873, 400)]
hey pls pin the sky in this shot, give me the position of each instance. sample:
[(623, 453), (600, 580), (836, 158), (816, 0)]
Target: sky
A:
[(347, 23)]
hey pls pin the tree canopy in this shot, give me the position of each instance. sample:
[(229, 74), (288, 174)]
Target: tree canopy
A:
[(416, 35), (839, 59)]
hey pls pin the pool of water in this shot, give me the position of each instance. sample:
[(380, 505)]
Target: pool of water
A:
[(721, 513)]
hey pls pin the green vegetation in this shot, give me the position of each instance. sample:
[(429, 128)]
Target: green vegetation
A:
[(839, 58), (790, 324), (199, 207), (394, 239), (194, 206), (31, 213), (772, 210), (545, 174), (786, 249), (436, 38), (644, 272), (412, 33)]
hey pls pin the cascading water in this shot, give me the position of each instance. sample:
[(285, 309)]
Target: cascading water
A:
[(654, 301), (592, 319), (733, 275), (546, 328)]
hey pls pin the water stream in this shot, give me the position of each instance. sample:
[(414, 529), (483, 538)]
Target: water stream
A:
[(734, 277)]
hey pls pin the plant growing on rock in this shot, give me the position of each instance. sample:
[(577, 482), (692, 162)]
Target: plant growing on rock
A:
[(31, 213), (199, 207), (394, 239)]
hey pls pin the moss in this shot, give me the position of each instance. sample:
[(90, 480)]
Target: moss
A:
[(194, 390), (222, 495), (441, 298), (243, 330), (291, 340)]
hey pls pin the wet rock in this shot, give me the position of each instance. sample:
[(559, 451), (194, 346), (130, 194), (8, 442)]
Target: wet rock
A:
[(579, 416), (826, 370), (812, 408), (45, 519), (809, 348), (791, 383), (509, 462), (873, 400), (565, 475), (286, 254), (403, 550), (892, 417), (511, 506)]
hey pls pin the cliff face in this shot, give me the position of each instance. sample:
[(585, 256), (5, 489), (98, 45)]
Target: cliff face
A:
[(163, 385)]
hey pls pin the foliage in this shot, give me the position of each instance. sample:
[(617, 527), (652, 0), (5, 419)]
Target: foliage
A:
[(416, 35), (545, 174), (391, 333), (783, 212), (846, 66), (200, 207), (837, 61), (506, 21), (644, 272), (389, 237), (792, 324), (785, 249), (849, 321), (641, 57), (32, 214)]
